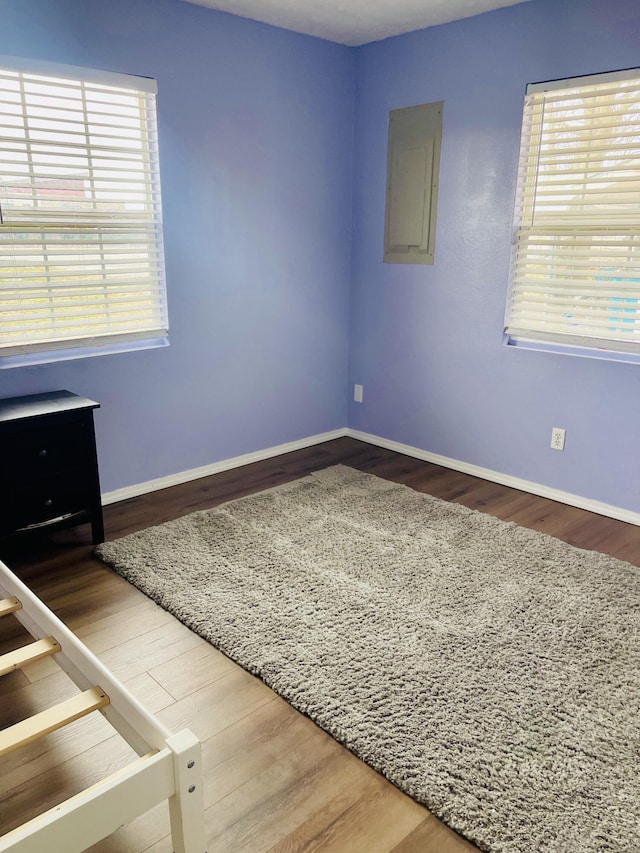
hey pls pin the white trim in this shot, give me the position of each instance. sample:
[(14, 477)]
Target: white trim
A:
[(217, 467), (539, 489), (600, 508)]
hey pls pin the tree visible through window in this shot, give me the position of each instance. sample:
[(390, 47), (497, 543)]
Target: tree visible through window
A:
[(575, 270), (81, 253)]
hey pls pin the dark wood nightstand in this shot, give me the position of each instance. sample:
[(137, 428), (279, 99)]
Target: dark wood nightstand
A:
[(48, 463)]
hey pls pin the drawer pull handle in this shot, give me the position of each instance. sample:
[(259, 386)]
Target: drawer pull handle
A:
[(42, 453), (48, 502)]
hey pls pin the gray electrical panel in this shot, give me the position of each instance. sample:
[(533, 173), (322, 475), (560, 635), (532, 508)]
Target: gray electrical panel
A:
[(413, 166)]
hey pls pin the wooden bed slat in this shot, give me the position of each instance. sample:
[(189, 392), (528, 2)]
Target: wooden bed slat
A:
[(53, 718), (27, 654), (9, 605)]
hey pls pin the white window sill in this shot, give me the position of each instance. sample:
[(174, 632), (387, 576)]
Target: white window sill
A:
[(565, 349), (31, 359)]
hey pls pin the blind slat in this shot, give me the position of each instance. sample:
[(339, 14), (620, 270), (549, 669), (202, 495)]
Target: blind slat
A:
[(90, 294), (114, 275), (12, 181), (566, 254), (96, 340), (576, 340), (73, 146), (116, 311), (568, 307)]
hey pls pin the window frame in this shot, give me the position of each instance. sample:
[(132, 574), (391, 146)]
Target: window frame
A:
[(591, 345), (137, 313)]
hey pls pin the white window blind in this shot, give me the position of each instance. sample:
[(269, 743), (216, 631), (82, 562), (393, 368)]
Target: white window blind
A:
[(575, 266), (81, 253)]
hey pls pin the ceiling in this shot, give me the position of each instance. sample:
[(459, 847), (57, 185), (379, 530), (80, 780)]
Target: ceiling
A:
[(355, 22)]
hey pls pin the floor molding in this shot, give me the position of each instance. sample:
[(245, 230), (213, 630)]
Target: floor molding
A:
[(216, 467), (539, 489)]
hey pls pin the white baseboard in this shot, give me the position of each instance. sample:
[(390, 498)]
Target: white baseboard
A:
[(504, 479), (216, 467), (598, 507)]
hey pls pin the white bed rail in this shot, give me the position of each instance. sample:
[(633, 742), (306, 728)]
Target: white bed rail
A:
[(169, 767)]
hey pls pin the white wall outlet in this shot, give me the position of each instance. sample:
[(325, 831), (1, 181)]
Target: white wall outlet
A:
[(357, 393), (557, 438)]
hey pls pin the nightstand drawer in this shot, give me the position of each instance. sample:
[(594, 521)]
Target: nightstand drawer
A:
[(41, 452), (49, 497)]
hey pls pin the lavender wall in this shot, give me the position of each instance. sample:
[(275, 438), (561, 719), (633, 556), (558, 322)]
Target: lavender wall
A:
[(256, 132), (426, 342), (256, 128)]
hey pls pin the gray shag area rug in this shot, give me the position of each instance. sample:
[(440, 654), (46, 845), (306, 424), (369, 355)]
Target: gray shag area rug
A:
[(490, 672)]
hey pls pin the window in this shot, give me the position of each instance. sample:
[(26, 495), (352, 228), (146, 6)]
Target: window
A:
[(575, 267), (81, 253)]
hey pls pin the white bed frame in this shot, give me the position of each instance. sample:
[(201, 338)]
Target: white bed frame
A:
[(169, 766)]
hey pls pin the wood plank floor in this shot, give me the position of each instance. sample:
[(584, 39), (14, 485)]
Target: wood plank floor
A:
[(273, 780)]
